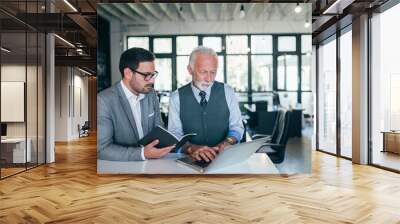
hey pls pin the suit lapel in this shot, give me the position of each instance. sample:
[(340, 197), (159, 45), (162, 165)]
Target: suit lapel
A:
[(144, 107), (127, 108)]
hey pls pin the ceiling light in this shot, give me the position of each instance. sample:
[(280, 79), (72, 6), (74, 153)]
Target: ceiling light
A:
[(242, 14), (307, 24), (5, 50), (65, 41), (297, 9), (70, 5)]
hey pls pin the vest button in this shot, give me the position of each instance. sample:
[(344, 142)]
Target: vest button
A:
[(205, 113)]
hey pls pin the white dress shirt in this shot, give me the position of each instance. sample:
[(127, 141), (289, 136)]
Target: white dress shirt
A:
[(134, 102)]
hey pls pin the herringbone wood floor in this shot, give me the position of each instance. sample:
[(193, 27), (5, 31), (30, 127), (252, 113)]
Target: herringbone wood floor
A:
[(70, 191)]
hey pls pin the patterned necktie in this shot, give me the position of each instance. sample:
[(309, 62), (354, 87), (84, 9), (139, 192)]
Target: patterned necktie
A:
[(203, 101)]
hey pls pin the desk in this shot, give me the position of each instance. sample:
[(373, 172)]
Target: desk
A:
[(258, 163), (13, 150), (391, 141)]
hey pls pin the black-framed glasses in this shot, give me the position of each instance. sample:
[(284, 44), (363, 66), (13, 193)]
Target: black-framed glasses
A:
[(147, 76)]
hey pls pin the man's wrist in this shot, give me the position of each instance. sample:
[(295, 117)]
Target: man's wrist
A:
[(230, 140)]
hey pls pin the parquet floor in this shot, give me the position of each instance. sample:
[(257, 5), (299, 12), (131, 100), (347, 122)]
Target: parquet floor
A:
[(70, 191)]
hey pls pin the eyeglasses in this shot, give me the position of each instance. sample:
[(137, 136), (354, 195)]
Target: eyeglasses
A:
[(147, 76)]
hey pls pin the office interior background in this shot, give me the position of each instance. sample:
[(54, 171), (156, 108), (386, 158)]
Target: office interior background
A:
[(271, 56), (345, 84)]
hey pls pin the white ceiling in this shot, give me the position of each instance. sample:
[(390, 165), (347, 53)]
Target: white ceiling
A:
[(146, 13)]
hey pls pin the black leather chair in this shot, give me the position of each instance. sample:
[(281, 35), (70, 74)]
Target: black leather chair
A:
[(273, 135), (84, 130), (276, 147)]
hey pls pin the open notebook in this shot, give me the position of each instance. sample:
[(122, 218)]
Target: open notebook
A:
[(165, 137)]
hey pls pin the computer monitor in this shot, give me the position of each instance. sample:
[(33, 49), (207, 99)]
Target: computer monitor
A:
[(261, 105), (275, 99), (3, 129)]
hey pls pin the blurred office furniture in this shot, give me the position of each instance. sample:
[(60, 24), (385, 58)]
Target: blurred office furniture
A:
[(391, 141), (3, 130), (263, 121), (261, 105), (272, 137), (276, 102), (84, 130), (13, 151), (275, 149)]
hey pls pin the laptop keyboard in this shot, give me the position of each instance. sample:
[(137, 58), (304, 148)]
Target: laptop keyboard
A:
[(202, 163)]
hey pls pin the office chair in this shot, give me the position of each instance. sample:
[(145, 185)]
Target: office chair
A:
[(272, 137), (84, 130), (276, 147)]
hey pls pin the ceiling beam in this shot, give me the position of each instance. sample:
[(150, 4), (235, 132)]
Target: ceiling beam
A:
[(114, 12), (149, 7), (193, 10), (135, 9), (221, 11), (180, 12), (166, 11), (84, 24), (235, 12)]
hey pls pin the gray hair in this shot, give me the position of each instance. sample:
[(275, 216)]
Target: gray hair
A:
[(200, 50)]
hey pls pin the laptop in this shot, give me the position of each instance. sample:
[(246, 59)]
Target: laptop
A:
[(232, 155)]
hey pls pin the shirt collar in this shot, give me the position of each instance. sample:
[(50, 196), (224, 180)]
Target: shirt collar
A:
[(129, 94), (196, 91)]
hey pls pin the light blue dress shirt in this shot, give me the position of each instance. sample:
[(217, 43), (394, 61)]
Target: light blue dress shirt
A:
[(236, 128)]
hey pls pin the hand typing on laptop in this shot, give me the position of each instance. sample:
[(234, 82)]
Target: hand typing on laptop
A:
[(201, 152)]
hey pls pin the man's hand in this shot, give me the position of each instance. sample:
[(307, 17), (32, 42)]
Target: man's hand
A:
[(201, 152), (221, 146), (151, 152)]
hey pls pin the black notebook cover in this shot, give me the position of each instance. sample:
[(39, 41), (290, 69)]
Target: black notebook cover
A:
[(165, 137)]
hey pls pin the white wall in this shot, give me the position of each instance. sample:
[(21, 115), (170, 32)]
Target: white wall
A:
[(69, 82)]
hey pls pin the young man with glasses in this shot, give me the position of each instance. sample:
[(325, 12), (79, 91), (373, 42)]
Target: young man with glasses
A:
[(128, 110)]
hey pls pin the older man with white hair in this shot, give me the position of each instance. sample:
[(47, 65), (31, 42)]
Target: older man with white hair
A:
[(206, 107)]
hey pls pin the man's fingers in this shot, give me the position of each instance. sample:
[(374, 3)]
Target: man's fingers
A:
[(212, 151), (153, 143), (197, 156), (204, 156), (209, 155)]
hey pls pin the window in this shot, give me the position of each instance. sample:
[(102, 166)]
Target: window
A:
[(236, 53), (261, 76), (306, 44), (213, 42), (287, 72), (236, 44), (306, 72), (237, 72), (261, 44), (286, 43), (346, 94), (385, 86), (327, 97), (186, 44), (237, 62), (142, 42), (162, 45), (183, 76), (164, 79)]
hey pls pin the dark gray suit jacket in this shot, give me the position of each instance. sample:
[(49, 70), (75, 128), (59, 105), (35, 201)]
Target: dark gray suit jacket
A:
[(117, 134)]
